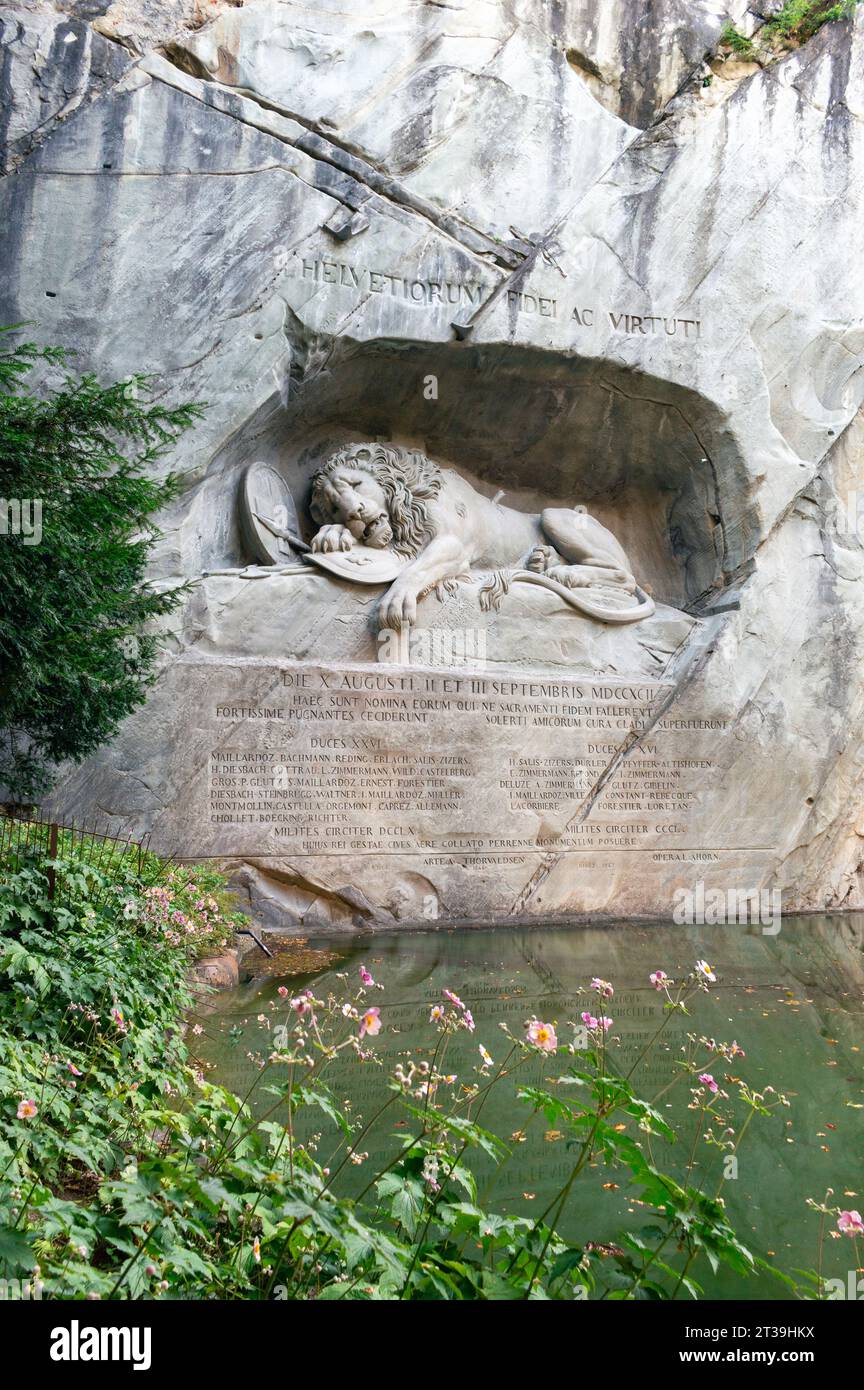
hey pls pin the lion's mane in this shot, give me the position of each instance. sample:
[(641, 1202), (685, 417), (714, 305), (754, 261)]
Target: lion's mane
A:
[(408, 478)]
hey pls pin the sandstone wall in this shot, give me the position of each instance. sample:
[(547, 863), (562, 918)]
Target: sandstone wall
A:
[(633, 270)]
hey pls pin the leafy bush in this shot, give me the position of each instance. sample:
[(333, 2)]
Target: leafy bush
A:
[(124, 1173), (800, 19), (191, 907), (794, 24)]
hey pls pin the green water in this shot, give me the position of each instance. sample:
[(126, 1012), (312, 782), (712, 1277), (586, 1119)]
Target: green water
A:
[(793, 1001)]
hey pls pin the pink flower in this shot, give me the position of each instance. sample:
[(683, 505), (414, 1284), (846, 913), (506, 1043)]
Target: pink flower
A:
[(26, 1109), (282, 992), (70, 1066), (660, 979), (454, 998), (542, 1035), (301, 1005), (589, 1020), (605, 1024), (437, 1013), (256, 1250), (850, 1223), (370, 1023), (708, 1080), (365, 976), (704, 969), (602, 987), (468, 1020)]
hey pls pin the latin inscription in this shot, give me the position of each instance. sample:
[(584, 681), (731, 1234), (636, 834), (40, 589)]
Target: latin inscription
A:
[(460, 766), (620, 321), (452, 293), (363, 280)]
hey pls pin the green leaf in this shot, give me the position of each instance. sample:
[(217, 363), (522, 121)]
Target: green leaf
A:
[(407, 1205), (16, 1252)]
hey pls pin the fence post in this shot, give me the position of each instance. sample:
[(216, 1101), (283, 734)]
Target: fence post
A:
[(52, 854)]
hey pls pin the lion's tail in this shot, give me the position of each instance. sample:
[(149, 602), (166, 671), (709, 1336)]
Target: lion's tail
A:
[(577, 599)]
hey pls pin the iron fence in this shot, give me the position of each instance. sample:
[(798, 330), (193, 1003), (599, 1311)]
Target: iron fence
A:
[(32, 834)]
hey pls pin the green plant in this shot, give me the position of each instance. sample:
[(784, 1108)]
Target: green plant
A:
[(739, 43), (125, 1174), (800, 19), (795, 23), (76, 651), (191, 906)]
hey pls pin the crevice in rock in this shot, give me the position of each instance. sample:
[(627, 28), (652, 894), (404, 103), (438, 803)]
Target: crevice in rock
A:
[(702, 639), (96, 71), (321, 146), (342, 906), (726, 577)]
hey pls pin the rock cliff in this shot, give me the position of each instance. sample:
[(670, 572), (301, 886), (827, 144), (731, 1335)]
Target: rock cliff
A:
[(577, 252)]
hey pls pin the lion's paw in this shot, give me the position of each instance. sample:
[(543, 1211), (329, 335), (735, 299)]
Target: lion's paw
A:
[(540, 559), (333, 537), (398, 607)]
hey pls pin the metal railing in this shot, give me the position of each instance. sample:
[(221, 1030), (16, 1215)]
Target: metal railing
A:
[(33, 834)]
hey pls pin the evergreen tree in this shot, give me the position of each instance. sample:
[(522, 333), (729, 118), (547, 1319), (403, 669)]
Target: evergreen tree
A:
[(76, 642)]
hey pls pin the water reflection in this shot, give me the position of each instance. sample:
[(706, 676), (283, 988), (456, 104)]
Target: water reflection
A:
[(792, 1001)]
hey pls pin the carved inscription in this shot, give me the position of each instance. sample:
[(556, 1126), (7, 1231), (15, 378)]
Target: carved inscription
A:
[(409, 289), (455, 765), (423, 291), (620, 321)]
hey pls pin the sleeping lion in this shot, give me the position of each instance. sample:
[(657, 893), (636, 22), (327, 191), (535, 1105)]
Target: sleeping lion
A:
[(385, 497)]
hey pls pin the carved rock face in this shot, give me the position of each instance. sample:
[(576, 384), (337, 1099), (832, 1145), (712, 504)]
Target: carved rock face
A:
[(523, 254)]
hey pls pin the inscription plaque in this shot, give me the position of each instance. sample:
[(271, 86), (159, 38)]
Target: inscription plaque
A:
[(484, 786), (359, 760)]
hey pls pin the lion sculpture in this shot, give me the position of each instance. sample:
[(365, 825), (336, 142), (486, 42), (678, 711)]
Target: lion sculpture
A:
[(387, 498)]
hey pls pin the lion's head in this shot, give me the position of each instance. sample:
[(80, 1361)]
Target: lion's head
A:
[(379, 492)]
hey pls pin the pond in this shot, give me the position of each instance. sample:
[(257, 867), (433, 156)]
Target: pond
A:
[(792, 1001)]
